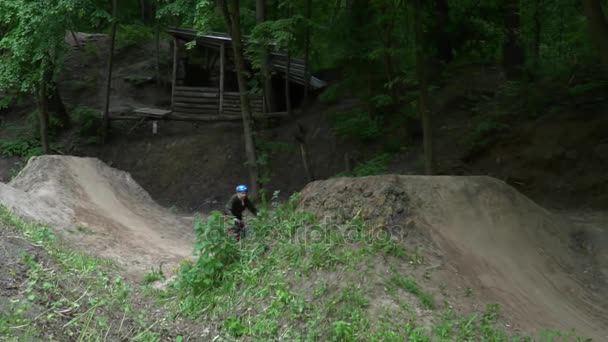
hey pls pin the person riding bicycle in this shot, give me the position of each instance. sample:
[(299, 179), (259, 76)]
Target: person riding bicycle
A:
[(236, 206)]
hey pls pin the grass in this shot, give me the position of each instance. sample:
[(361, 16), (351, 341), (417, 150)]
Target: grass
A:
[(292, 278), (67, 295)]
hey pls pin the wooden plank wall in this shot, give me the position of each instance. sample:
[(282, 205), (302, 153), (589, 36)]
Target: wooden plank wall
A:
[(205, 101), (232, 103)]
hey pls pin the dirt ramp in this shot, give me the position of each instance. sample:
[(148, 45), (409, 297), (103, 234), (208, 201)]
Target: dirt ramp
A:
[(106, 212), (507, 248)]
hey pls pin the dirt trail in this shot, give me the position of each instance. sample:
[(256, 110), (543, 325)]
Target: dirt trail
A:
[(503, 246), (100, 210)]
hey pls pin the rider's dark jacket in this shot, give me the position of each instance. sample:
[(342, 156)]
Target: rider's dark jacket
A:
[(235, 207)]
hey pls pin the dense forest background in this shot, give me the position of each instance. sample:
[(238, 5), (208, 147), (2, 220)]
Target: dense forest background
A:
[(394, 57)]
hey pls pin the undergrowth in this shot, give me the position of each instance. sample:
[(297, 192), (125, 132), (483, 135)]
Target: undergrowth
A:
[(292, 278), (295, 278), (67, 295), (374, 166)]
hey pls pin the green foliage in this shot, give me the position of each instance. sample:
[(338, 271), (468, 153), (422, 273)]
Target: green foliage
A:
[(5, 101), (153, 276), (235, 327), (33, 43), (357, 124), (412, 287), (129, 35), (265, 150), (216, 252), (33, 121), (87, 120), (375, 166), (486, 133), (65, 282), (20, 148)]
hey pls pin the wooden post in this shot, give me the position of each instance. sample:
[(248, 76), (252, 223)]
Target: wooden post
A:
[(173, 84), (222, 67)]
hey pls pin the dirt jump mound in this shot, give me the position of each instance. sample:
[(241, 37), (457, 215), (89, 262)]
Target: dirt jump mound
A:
[(488, 237), (99, 209)]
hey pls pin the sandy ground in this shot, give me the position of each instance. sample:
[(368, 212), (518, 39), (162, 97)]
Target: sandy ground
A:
[(100, 210), (495, 241)]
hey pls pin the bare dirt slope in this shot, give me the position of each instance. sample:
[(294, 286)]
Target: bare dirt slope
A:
[(488, 238), (100, 210)]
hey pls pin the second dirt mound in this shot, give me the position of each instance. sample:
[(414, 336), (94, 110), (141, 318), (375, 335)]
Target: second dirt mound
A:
[(101, 210), (501, 244)]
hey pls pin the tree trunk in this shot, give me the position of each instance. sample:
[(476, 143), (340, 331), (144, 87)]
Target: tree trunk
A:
[(513, 53), (444, 43), (43, 115), (58, 107), (142, 8), (157, 66), (307, 44), (387, 41), (537, 33), (301, 139), (106, 112), (268, 92), (421, 73), (232, 20), (598, 26)]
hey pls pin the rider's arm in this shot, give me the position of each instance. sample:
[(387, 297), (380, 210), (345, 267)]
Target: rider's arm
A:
[(251, 207), (228, 207)]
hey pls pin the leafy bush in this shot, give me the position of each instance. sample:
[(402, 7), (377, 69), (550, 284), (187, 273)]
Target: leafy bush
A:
[(132, 35), (375, 166), (20, 148), (357, 124), (87, 120), (216, 251), (5, 101), (33, 121), (486, 133)]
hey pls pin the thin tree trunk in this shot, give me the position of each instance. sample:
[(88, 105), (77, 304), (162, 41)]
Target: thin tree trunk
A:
[(232, 20), (268, 91), (301, 139), (59, 107), (513, 53), (421, 74), (157, 66), (444, 44), (43, 116), (388, 59), (106, 111), (307, 44), (142, 8), (537, 33), (598, 26), (337, 9)]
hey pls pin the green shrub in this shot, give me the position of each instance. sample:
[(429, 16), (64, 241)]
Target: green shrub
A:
[(87, 120), (486, 133), (375, 166), (33, 122), (357, 124), (25, 148), (132, 35), (216, 251)]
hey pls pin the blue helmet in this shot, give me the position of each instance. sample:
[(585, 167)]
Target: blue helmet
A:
[(241, 188)]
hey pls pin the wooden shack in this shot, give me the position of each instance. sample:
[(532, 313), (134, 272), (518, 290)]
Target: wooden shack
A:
[(205, 81)]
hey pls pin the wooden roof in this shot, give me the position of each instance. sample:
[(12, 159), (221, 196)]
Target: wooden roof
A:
[(278, 60)]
